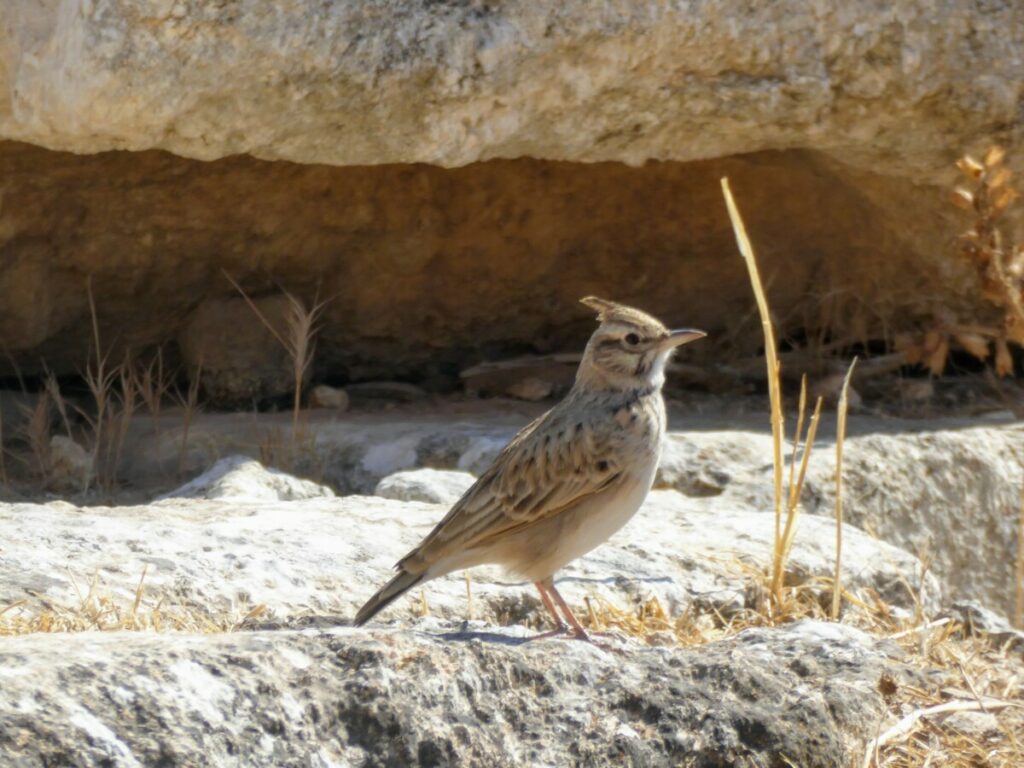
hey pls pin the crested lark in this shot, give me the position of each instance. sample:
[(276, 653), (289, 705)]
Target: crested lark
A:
[(568, 480)]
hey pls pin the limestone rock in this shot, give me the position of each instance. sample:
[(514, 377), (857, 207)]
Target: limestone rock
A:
[(240, 478), (803, 694), (412, 82), (433, 486), (325, 556), (977, 725), (908, 481), (238, 359)]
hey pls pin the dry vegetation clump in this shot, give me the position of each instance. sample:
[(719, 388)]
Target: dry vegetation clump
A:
[(998, 265), (99, 611)]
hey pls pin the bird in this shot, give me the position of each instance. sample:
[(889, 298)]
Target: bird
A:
[(568, 480)]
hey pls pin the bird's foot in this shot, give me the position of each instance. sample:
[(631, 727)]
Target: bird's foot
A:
[(559, 631)]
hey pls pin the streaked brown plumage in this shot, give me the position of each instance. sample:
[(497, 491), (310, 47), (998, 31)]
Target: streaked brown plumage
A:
[(569, 479)]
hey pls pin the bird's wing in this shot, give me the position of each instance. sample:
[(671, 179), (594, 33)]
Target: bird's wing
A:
[(551, 465)]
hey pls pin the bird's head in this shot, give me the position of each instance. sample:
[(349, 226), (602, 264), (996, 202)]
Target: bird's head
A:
[(629, 349)]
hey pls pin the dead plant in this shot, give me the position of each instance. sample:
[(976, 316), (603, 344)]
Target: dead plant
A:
[(98, 610), (298, 340), (189, 402), (114, 399), (999, 267), (153, 386)]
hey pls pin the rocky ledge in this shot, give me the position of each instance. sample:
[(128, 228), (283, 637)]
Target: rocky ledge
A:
[(807, 695), (222, 559)]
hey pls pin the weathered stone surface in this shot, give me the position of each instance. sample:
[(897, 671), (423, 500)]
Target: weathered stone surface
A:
[(433, 486), (244, 479), (404, 81), (327, 555), (805, 695), (948, 487)]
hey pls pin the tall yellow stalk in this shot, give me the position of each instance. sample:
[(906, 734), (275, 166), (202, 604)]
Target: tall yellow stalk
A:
[(771, 360)]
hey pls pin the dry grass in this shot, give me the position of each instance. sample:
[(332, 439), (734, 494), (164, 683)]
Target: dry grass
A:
[(102, 612), (154, 385), (998, 265), (189, 402), (298, 340), (114, 393), (37, 434), (783, 541)]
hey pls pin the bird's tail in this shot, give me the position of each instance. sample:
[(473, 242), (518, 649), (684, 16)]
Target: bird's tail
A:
[(398, 586)]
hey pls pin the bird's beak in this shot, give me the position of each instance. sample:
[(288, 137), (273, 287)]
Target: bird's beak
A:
[(681, 336)]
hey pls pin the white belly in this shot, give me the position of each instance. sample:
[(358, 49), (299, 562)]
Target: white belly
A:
[(582, 529)]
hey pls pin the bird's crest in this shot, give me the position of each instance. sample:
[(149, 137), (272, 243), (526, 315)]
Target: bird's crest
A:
[(613, 312)]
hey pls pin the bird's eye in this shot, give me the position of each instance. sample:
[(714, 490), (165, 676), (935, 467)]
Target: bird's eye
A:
[(632, 339)]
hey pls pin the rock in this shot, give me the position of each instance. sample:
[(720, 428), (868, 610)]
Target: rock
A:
[(325, 556), (977, 725), (908, 481), (70, 464), (438, 697), (344, 85), (916, 390), (531, 389), (433, 486), (525, 378), (953, 493), (323, 396), (240, 360), (979, 620), (705, 464), (239, 478), (793, 102)]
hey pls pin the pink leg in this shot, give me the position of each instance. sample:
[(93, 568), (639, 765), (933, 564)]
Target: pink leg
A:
[(560, 627), (578, 632)]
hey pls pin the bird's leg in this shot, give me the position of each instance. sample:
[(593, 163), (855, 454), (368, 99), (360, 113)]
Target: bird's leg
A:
[(578, 632), (560, 627)]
